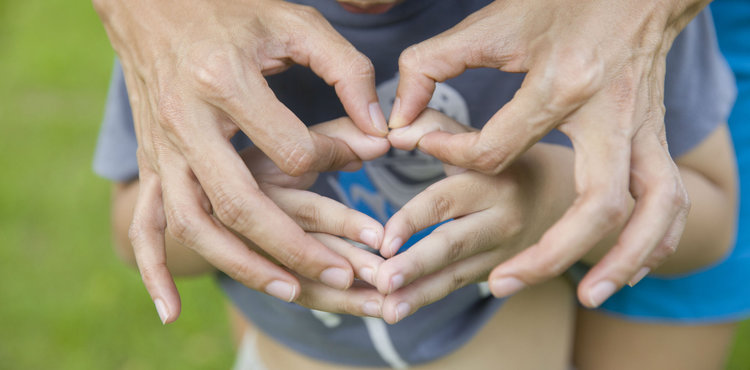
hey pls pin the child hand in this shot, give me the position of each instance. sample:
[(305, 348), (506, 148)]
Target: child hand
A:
[(494, 217)]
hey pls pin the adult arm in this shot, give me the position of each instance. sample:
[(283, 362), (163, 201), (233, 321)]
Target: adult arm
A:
[(595, 71), (194, 72)]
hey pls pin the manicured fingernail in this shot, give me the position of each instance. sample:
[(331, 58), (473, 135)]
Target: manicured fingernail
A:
[(369, 237), (639, 276), (378, 120), (336, 278), (162, 310), (396, 282), (281, 290), (371, 308), (600, 292), (395, 245), (505, 286), (395, 118), (402, 310), (365, 273)]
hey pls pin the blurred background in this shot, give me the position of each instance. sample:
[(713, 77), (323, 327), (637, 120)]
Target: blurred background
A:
[(65, 300)]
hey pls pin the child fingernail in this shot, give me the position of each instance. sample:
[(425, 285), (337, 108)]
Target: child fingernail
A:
[(371, 308), (336, 277), (369, 237), (395, 245), (503, 287), (366, 274), (402, 310), (600, 292), (396, 282)]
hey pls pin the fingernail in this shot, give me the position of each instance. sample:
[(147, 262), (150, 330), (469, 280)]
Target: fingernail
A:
[(639, 276), (365, 273), (377, 139), (378, 120), (400, 131), (505, 286), (352, 166), (281, 290), (336, 278), (395, 245), (396, 282), (369, 237), (162, 310), (394, 118), (402, 310), (371, 308), (600, 292)]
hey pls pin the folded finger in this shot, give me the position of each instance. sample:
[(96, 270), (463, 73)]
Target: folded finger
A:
[(146, 235), (436, 286), (652, 232), (437, 203), (449, 243), (190, 225), (316, 213), (602, 205)]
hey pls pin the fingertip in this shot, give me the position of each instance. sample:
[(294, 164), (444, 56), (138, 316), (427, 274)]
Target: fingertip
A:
[(377, 119), (599, 293), (505, 286), (282, 290), (370, 237), (396, 120), (337, 278)]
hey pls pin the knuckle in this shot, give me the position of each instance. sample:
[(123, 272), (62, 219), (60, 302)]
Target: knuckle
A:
[(210, 72), (576, 78), (490, 159), (298, 157), (307, 216), (244, 273), (180, 225), (611, 210), (136, 233), (230, 207), (169, 112), (294, 257), (441, 206), (360, 65), (408, 61)]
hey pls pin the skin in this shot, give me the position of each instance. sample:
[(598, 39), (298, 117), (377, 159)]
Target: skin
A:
[(533, 193), (190, 72), (188, 101), (584, 61)]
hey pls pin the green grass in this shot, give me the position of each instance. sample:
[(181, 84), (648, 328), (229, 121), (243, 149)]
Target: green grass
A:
[(65, 301)]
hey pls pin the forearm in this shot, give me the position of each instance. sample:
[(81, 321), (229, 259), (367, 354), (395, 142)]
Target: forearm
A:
[(181, 261)]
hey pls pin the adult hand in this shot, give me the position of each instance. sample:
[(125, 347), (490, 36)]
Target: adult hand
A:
[(194, 73), (493, 218), (586, 62)]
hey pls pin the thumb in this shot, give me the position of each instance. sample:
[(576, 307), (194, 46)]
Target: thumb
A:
[(447, 55)]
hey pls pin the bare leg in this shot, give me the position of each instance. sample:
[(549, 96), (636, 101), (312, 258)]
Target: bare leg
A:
[(608, 342)]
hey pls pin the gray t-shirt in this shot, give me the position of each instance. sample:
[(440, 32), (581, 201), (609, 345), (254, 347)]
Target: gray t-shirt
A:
[(699, 93)]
